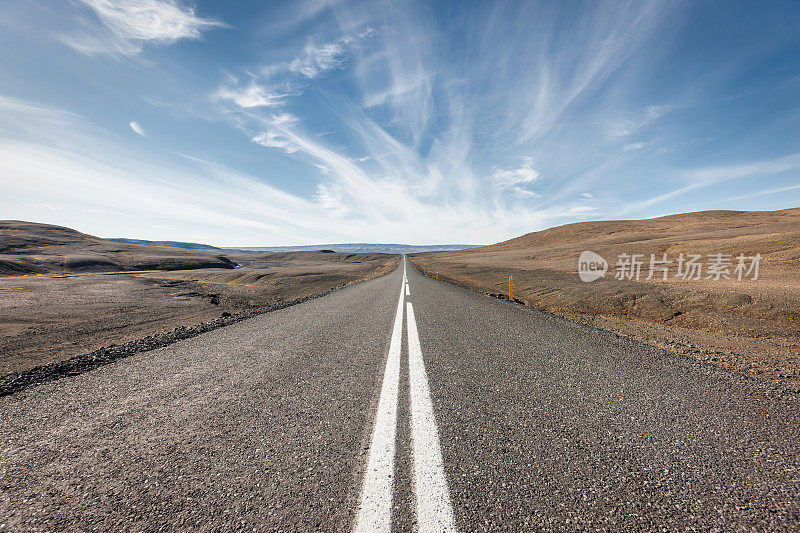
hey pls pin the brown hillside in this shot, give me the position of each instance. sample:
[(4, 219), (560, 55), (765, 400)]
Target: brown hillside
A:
[(32, 248)]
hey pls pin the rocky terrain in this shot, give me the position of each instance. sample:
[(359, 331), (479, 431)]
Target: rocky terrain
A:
[(66, 294)]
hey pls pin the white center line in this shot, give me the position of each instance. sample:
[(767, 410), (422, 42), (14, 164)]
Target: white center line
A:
[(375, 511), (434, 511)]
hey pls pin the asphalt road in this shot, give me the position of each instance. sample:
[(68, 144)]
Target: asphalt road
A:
[(411, 407)]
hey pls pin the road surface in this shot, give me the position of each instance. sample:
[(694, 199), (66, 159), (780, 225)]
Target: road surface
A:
[(402, 405)]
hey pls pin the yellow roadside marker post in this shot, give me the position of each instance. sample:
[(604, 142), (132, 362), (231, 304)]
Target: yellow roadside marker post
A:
[(511, 288), (437, 275)]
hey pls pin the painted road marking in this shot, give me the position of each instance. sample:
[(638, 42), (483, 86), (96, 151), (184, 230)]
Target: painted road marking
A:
[(434, 511), (408, 291), (375, 511)]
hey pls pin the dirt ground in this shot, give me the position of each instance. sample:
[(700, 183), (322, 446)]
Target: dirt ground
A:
[(51, 318), (751, 326)]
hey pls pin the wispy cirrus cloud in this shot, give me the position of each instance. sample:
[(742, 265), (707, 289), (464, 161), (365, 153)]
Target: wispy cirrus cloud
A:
[(371, 119), (269, 85), (275, 136), (507, 178), (767, 192), (251, 95), (397, 74), (633, 146), (272, 139), (125, 26), (700, 178), (319, 59), (44, 148), (633, 122), (556, 67)]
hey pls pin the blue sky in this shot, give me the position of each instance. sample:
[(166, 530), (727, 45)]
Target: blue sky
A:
[(259, 123)]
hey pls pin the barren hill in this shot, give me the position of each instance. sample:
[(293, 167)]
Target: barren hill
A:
[(32, 248), (773, 234)]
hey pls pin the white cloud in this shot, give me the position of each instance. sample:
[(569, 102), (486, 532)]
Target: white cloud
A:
[(253, 95), (427, 114), (564, 67), (285, 120), (273, 139), (138, 129), (633, 146), (15, 105), (521, 192), (65, 161), (400, 72), (508, 178), (275, 82), (581, 209), (330, 198), (426, 122), (777, 165), (513, 181), (766, 192), (275, 136), (635, 121), (128, 24), (81, 169), (700, 178), (317, 60)]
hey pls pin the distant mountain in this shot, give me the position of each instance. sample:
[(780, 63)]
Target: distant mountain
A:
[(350, 248), (363, 247), (176, 244)]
